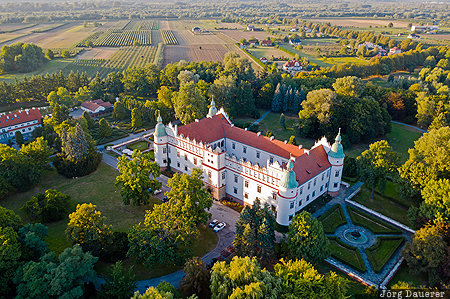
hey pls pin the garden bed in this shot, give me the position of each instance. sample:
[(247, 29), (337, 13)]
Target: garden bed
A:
[(141, 145), (346, 254), (332, 219), (372, 223), (381, 252)]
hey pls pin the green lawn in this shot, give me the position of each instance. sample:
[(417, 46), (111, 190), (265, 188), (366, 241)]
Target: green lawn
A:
[(382, 205), (344, 60), (332, 219), (347, 254), (141, 145), (52, 66), (311, 58), (404, 274), (372, 223), (381, 252), (354, 287)]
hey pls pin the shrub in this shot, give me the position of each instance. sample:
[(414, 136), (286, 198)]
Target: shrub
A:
[(234, 205), (47, 207), (380, 253), (78, 168), (116, 248)]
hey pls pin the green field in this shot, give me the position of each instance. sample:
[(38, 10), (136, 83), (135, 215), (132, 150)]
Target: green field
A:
[(347, 254), (332, 219), (344, 60), (311, 58), (381, 252), (370, 222), (98, 188), (138, 145), (53, 66)]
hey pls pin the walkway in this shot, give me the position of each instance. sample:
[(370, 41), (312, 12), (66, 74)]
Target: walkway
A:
[(260, 119), (369, 276), (411, 126)]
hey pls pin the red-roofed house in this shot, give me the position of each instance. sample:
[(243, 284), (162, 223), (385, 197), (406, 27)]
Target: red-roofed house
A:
[(24, 121), (394, 50), (266, 43), (96, 107), (246, 166), (292, 66), (263, 59)]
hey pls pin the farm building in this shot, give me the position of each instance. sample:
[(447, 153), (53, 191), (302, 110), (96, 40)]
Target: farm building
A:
[(250, 28), (266, 43), (196, 30), (96, 107), (24, 121), (413, 35), (246, 166), (394, 50), (253, 43), (295, 42), (263, 59), (292, 66), (424, 28)]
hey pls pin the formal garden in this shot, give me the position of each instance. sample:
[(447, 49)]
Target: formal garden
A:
[(360, 241)]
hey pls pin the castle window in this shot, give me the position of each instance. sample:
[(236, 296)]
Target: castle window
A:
[(185, 157), (223, 175), (235, 190), (246, 184), (292, 204), (315, 180), (326, 185), (233, 145), (246, 195), (337, 173), (258, 189), (301, 190), (271, 160), (195, 161), (221, 143), (307, 198), (257, 155), (235, 178), (274, 195), (164, 161), (164, 150), (335, 185), (323, 176), (185, 168), (300, 203), (178, 164), (244, 149), (309, 185), (321, 188), (178, 154), (314, 194)]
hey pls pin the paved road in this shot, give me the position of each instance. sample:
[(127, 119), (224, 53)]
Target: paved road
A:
[(414, 127)]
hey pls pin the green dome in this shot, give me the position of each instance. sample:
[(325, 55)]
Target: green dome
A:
[(212, 109), (160, 129), (289, 180), (337, 151)]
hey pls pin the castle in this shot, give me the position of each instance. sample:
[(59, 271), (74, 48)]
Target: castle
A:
[(245, 166)]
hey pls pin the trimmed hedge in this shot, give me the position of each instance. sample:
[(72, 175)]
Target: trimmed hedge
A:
[(381, 252), (332, 219), (257, 61), (85, 166), (346, 254), (372, 223)]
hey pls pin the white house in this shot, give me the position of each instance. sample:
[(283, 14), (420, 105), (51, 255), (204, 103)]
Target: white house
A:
[(24, 121), (295, 42), (394, 50), (424, 28), (292, 65), (246, 166)]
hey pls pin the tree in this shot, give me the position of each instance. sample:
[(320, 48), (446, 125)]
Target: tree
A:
[(104, 128), (197, 278), (87, 228), (38, 151), (31, 237), (119, 111), (19, 137), (47, 207), (9, 219), (255, 232), (299, 279), (189, 196), (65, 54), (152, 293), (436, 204), (306, 239), (242, 278), (350, 86), (88, 118), (224, 91), (56, 278), (429, 159), (136, 118), (141, 81), (9, 256), (438, 122), (282, 121), (292, 140), (426, 250), (165, 95), (376, 163), (137, 177), (120, 284), (277, 101), (163, 237), (189, 104), (59, 114), (49, 54), (390, 25), (113, 83)]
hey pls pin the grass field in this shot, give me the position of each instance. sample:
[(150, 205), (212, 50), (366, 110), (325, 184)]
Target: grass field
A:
[(381, 252), (344, 60), (311, 58), (138, 145), (53, 66), (370, 222), (403, 274)]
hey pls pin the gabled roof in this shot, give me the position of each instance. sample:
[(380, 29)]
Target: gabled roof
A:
[(19, 117), (309, 165), (94, 105), (266, 41)]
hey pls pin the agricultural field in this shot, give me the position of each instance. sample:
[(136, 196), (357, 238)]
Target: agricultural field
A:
[(174, 53), (186, 37), (237, 35), (360, 23), (97, 53), (88, 66), (168, 37), (119, 38), (48, 28)]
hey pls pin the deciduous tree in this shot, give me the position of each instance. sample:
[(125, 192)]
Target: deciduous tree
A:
[(120, 284)]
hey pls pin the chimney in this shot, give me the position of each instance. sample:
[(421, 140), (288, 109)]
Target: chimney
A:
[(246, 129), (285, 142), (272, 137), (259, 133)]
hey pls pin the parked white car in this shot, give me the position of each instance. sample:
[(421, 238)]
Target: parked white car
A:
[(219, 226), (213, 223), (157, 192)]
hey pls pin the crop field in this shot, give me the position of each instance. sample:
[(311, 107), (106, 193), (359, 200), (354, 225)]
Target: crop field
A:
[(48, 28), (186, 37), (9, 28), (353, 22), (90, 38), (237, 35), (196, 53), (168, 37), (88, 66), (73, 51), (119, 38), (97, 53)]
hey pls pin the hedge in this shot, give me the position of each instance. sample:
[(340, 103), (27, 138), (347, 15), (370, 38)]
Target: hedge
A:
[(259, 62), (381, 252), (372, 223), (332, 219), (346, 254)]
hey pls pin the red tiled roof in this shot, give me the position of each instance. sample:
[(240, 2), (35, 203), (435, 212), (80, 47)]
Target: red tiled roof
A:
[(94, 105), (23, 116), (211, 129), (309, 165), (266, 42)]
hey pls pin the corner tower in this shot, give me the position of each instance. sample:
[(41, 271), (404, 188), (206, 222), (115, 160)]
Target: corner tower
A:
[(287, 194), (160, 143), (336, 157), (212, 108)]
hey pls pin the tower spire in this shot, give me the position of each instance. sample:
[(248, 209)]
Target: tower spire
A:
[(337, 151), (160, 129), (212, 108)]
